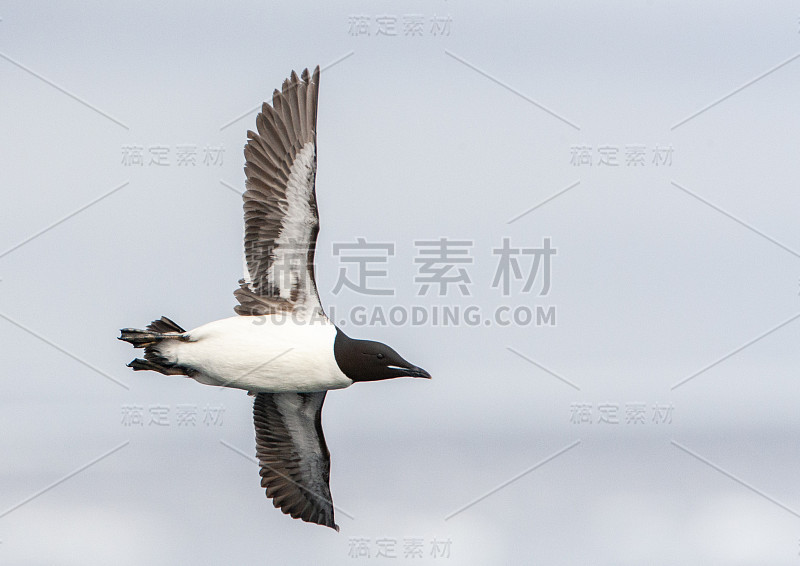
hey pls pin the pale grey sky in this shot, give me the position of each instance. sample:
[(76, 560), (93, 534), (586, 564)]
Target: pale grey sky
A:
[(450, 119)]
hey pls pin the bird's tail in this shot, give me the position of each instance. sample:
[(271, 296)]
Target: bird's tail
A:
[(158, 330)]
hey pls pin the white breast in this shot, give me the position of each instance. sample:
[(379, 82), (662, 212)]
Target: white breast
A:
[(261, 354)]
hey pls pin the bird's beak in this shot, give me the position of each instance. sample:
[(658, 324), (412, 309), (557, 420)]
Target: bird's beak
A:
[(415, 371)]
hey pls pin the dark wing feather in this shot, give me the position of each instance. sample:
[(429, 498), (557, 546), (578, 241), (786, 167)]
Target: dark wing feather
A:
[(294, 459), (280, 203)]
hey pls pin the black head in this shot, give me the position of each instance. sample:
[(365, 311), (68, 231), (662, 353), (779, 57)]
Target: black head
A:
[(365, 360)]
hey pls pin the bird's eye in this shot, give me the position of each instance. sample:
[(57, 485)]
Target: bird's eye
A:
[(380, 356)]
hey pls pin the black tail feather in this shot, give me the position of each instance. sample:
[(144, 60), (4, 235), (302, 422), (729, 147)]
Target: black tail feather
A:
[(164, 325), (167, 369), (140, 338), (158, 330)]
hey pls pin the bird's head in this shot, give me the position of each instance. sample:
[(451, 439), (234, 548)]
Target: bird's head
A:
[(365, 360)]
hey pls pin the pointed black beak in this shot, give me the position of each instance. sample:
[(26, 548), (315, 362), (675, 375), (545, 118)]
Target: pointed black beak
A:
[(415, 371)]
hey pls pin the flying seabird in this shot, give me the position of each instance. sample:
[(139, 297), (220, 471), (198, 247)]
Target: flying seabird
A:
[(281, 347)]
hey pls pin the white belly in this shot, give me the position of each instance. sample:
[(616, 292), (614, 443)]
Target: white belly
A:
[(261, 354)]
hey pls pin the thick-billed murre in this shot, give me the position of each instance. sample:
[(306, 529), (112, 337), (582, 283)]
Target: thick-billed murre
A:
[(281, 347)]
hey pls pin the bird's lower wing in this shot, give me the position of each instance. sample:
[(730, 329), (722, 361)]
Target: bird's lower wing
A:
[(293, 456)]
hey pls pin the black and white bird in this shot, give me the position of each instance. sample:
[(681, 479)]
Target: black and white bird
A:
[(281, 347)]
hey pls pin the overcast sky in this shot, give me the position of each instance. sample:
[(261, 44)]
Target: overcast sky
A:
[(647, 411)]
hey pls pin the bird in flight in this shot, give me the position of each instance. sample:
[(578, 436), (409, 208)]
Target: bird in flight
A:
[(281, 347)]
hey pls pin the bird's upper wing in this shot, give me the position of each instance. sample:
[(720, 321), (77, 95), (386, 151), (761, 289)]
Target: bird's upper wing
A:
[(280, 205), (294, 459)]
